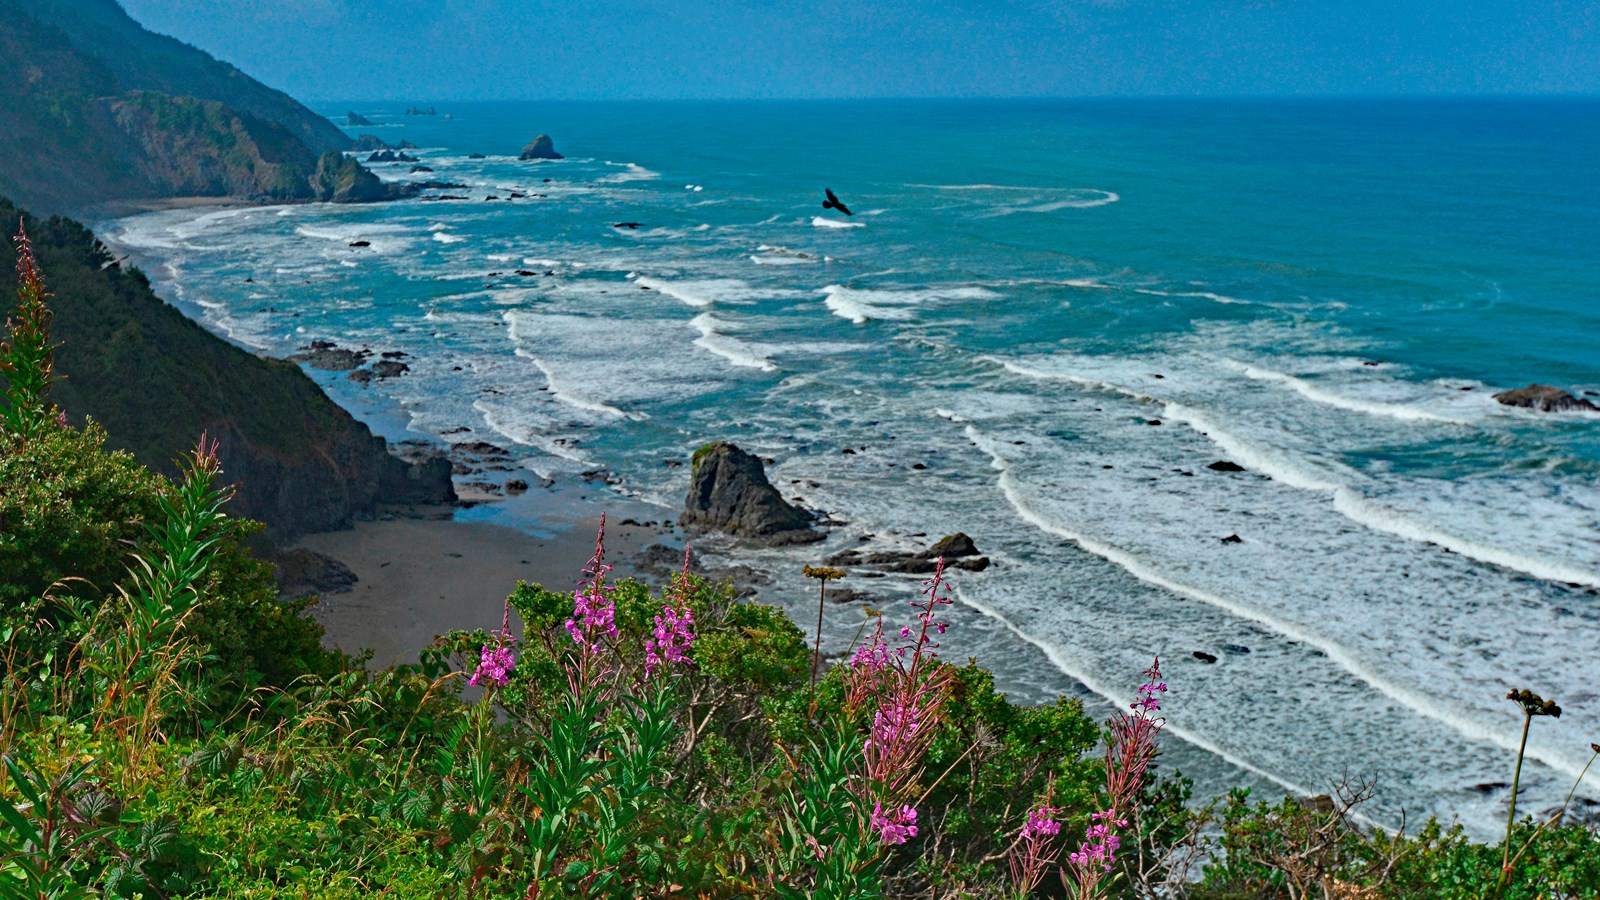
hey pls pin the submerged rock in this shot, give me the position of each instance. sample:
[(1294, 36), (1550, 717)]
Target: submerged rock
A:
[(541, 147), (1545, 398), (729, 491)]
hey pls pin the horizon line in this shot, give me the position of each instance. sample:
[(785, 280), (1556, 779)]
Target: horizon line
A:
[(993, 98)]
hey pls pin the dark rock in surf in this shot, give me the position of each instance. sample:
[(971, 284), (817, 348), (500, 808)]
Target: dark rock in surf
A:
[(1223, 465), (1204, 656), (390, 156), (1233, 539), (540, 147), (325, 356), (729, 491), (1545, 398)]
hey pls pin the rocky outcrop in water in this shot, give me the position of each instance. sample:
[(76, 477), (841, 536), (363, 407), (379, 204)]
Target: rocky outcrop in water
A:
[(729, 491), (353, 119), (541, 147), (958, 550), (340, 179), (1545, 398), (390, 156)]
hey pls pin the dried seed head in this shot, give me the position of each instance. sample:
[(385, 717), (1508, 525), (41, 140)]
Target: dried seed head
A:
[(1534, 705)]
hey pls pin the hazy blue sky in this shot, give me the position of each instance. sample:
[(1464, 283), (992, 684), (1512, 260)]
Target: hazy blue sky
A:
[(531, 49)]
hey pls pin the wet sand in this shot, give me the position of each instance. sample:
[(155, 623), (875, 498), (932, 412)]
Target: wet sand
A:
[(420, 577)]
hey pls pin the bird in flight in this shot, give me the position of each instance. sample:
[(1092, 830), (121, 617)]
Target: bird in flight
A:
[(833, 203)]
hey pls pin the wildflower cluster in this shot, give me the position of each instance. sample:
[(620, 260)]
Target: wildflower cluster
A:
[(674, 629), (894, 827), (1099, 849)]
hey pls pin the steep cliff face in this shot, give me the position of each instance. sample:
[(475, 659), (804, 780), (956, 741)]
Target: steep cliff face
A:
[(141, 60), (156, 380), (96, 108)]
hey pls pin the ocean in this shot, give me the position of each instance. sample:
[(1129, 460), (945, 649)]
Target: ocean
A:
[(1041, 326)]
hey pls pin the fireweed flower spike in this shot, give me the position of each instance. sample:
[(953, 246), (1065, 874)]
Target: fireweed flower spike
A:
[(495, 661), (594, 614), (1130, 747), (908, 692), (1035, 850), (674, 631)]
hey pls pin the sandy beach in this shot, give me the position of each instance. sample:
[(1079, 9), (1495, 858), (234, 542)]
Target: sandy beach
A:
[(421, 576)]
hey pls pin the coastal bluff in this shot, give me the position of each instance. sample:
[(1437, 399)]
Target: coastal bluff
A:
[(102, 110), (156, 381), (729, 492)]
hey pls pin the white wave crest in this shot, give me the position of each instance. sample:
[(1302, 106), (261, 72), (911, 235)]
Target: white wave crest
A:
[(732, 349), (1355, 404), (820, 222), (861, 304), (632, 172)]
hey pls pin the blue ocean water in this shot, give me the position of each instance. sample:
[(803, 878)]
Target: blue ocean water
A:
[(1041, 325)]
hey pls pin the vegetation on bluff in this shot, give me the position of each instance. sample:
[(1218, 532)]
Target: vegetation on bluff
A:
[(155, 379), (168, 729), (97, 108)]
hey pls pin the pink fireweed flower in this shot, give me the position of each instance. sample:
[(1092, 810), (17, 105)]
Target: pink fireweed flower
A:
[(1098, 852), (594, 614), (674, 631), (893, 827), (1035, 849), (1133, 741), (495, 662), (1041, 822)]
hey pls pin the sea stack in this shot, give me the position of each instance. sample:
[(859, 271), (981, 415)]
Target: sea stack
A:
[(541, 147), (729, 491)]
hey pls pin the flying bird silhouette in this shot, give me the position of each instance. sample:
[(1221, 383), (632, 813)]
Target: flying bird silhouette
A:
[(833, 203)]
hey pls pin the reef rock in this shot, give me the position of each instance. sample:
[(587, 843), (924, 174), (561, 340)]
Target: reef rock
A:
[(729, 491), (1545, 398), (541, 148)]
